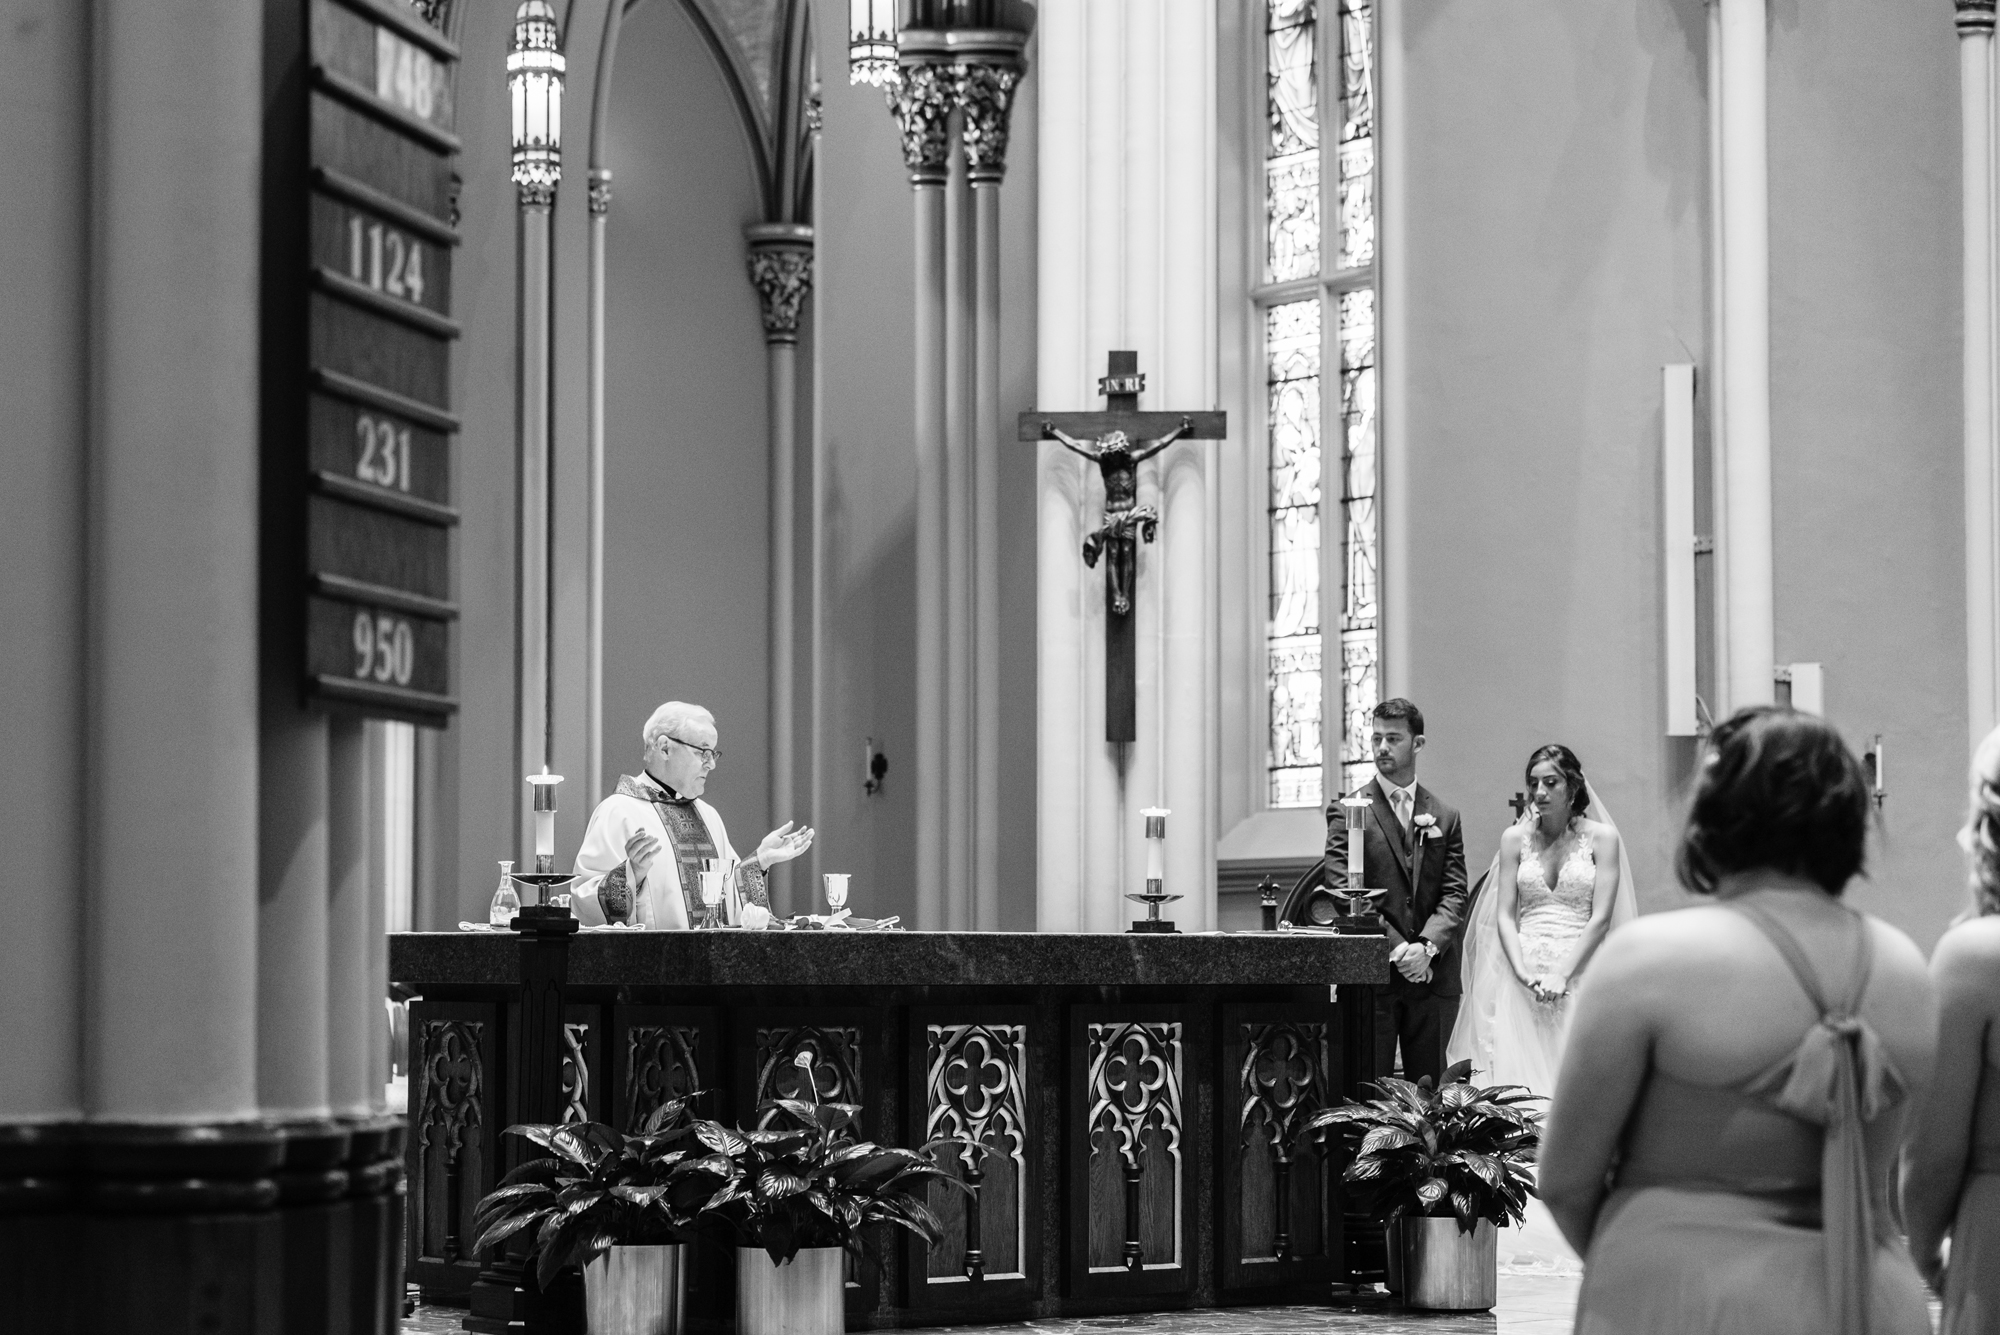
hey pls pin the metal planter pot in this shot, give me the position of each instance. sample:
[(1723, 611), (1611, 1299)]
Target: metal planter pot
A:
[(637, 1291), (805, 1296), (1445, 1270)]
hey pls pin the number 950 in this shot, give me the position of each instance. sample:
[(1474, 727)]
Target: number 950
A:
[(384, 648)]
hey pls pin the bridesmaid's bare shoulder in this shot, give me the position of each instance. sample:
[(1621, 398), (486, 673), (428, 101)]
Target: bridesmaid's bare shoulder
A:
[(1967, 958), (1658, 957)]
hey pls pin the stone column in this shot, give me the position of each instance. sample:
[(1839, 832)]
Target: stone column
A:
[(531, 558), (599, 178), (171, 917), (174, 1173), (1982, 364), (1744, 302), (988, 75), (352, 1089), (1127, 260), (922, 102), (781, 271)]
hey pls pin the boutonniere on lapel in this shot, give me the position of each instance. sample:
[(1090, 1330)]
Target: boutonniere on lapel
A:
[(1424, 828)]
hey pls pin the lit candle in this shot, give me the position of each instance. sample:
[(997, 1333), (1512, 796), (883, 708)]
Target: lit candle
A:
[(1156, 847)]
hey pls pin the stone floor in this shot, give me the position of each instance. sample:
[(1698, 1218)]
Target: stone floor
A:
[(1529, 1305)]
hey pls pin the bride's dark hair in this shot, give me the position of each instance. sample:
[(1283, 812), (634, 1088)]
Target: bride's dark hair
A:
[(1571, 769)]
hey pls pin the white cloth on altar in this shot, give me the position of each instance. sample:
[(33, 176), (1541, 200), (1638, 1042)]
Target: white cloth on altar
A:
[(658, 900)]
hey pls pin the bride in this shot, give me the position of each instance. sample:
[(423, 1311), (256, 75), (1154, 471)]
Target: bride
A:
[(1560, 882)]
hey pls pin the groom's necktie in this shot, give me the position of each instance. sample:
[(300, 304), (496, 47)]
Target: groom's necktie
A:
[(1400, 799)]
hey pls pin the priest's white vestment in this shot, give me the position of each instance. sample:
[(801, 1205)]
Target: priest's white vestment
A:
[(664, 897)]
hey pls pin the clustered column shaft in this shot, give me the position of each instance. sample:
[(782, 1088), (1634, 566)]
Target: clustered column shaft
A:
[(971, 75)]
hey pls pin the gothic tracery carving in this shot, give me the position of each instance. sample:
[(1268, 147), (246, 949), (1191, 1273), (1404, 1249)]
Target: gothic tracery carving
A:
[(575, 1074), (662, 1063), (1135, 1085), (1282, 1083), (836, 1065)]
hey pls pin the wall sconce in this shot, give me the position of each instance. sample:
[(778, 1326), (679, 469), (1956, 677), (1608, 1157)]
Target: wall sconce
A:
[(871, 42), (535, 87), (874, 766), (1872, 762)]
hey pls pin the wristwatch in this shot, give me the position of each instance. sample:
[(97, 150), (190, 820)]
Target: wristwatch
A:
[(1430, 946)]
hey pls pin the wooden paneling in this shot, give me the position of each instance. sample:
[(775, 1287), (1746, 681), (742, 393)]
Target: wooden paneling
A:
[(1281, 1223), (973, 1074), (456, 1116), (1134, 1159)]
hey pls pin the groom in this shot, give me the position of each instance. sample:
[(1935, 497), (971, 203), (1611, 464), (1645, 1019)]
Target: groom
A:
[(1415, 850)]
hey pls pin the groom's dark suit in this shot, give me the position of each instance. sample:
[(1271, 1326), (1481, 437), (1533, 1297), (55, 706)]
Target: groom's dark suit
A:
[(1429, 905)]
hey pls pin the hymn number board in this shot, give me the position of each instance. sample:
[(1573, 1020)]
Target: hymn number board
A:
[(379, 329)]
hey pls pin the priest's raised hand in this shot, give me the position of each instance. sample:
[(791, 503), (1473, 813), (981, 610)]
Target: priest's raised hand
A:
[(783, 844)]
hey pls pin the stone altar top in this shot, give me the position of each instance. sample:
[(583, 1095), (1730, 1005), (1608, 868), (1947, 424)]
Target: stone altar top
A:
[(905, 959)]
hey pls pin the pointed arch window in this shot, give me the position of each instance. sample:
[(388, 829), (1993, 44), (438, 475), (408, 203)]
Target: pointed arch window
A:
[(1316, 306)]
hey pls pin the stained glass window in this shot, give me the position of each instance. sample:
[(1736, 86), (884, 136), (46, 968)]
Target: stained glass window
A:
[(1360, 611), (1291, 149), (1356, 184), (1293, 643), (1303, 686)]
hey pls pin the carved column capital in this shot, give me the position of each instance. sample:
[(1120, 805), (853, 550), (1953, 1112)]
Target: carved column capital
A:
[(534, 195), (781, 256), (921, 98), (600, 190), (986, 95), (1975, 17)]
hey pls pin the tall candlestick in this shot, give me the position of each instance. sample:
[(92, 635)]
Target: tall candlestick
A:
[(1356, 809), (1156, 847), (544, 785)]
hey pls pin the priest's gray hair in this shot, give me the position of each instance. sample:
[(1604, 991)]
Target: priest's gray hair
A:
[(673, 716)]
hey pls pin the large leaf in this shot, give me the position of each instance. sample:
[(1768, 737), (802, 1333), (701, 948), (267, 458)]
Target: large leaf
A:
[(1430, 1191), (667, 1113), (505, 1227), (721, 1139), (1386, 1138), (777, 1185)]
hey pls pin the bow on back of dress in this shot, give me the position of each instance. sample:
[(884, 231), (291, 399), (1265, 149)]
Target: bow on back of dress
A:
[(1840, 1077)]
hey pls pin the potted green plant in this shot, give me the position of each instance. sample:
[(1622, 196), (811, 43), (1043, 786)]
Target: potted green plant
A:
[(796, 1197), (617, 1205), (1443, 1167)]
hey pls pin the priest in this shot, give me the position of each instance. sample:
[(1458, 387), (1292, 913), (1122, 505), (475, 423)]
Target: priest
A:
[(647, 844)]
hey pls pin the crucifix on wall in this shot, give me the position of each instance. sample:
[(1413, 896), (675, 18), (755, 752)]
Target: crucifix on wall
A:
[(1118, 440)]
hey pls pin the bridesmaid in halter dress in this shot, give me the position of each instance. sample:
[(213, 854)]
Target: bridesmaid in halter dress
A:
[(1739, 1074), (1951, 1183)]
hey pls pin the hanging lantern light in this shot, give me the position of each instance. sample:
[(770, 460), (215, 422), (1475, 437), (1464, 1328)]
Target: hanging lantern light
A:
[(871, 42), (535, 84)]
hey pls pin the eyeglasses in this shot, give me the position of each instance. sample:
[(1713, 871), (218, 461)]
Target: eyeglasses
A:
[(710, 756)]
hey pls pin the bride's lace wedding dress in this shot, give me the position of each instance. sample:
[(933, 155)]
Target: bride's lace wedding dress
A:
[(1510, 1037)]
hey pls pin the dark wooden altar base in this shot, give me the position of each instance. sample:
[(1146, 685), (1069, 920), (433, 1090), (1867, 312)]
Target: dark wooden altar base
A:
[(1144, 1097)]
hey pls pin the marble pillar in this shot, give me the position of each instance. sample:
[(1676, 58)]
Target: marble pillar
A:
[(781, 271), (1747, 638), (531, 556), (922, 102), (351, 1010), (987, 79), (1127, 260), (1979, 105), (171, 838)]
